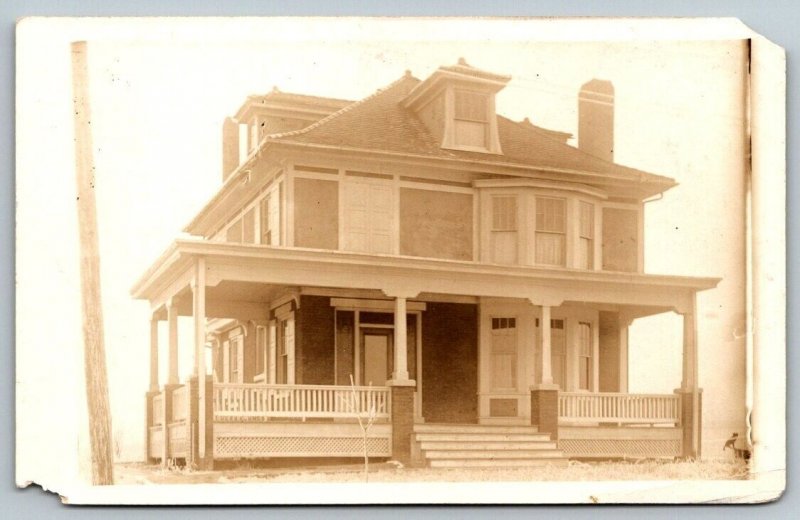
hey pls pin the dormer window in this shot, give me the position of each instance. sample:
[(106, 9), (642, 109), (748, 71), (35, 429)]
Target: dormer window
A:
[(471, 121), (457, 104)]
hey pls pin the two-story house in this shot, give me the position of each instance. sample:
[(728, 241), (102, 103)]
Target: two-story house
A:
[(473, 276)]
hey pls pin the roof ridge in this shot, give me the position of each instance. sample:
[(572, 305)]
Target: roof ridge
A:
[(336, 114)]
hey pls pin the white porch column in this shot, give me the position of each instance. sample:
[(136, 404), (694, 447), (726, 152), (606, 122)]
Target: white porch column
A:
[(199, 314), (546, 360), (153, 354), (400, 340), (172, 324), (198, 286)]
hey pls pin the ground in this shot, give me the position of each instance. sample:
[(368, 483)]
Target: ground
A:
[(138, 473)]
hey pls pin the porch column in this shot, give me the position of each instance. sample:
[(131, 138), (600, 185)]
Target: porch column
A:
[(624, 322), (691, 404), (546, 360), (544, 396), (153, 354), (172, 325), (400, 372), (205, 424), (402, 387)]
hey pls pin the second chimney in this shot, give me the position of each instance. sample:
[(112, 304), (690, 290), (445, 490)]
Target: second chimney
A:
[(596, 119)]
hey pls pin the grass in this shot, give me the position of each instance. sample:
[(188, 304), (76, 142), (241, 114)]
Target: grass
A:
[(388, 472)]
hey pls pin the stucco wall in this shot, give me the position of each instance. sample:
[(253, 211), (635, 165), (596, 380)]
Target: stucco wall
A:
[(316, 213), (435, 224)]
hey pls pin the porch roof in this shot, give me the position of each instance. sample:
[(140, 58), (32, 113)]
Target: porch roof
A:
[(406, 276)]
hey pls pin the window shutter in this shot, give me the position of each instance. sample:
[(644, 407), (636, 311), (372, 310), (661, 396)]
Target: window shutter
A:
[(290, 351), (273, 342)]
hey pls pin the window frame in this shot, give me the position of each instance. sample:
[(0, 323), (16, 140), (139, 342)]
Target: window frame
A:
[(563, 233), (585, 353)]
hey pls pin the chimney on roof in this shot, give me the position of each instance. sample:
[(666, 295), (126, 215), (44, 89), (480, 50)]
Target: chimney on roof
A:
[(596, 119)]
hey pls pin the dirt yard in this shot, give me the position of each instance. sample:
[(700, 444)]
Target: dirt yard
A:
[(133, 473)]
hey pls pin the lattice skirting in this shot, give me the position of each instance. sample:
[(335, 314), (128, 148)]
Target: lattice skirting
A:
[(178, 440), (156, 444), (631, 448), (297, 446)]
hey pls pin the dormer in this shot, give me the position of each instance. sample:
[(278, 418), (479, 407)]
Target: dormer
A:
[(271, 113), (457, 104)]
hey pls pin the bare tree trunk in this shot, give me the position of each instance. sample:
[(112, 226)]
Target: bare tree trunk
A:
[(92, 313)]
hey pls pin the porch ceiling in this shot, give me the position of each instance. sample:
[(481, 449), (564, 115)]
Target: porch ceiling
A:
[(252, 272)]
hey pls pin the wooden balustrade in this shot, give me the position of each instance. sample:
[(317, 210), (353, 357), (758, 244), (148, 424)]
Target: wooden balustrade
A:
[(300, 401), (577, 407)]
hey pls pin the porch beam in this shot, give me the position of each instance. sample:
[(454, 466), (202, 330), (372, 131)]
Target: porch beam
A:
[(172, 326), (153, 353), (400, 340)]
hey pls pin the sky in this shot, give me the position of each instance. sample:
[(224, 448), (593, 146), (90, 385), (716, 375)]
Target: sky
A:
[(160, 91)]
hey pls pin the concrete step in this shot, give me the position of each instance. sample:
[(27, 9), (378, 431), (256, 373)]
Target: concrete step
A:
[(473, 428), (480, 437), (488, 445), (492, 454), (488, 463)]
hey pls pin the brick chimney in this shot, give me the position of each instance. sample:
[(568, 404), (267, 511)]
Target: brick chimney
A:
[(596, 119)]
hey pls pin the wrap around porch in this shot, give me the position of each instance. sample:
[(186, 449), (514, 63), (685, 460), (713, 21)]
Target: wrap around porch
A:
[(582, 405)]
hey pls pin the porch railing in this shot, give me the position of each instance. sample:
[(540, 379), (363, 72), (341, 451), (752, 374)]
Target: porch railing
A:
[(255, 400), (576, 407)]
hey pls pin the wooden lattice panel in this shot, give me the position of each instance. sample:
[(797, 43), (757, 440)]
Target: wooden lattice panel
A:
[(298, 446), (156, 444), (178, 440), (631, 448)]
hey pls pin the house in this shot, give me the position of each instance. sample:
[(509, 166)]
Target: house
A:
[(473, 276)]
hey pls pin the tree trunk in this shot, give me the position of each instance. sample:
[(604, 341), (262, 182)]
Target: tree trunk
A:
[(91, 309)]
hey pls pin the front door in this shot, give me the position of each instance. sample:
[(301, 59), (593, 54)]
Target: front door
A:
[(376, 356)]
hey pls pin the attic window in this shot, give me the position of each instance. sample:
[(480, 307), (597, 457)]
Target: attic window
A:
[(471, 119)]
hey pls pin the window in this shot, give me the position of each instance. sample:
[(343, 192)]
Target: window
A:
[(504, 229), (270, 216), (586, 233), (261, 351), (550, 231), (368, 217), (284, 351), (471, 119), (504, 353), (232, 359), (584, 356), (558, 353)]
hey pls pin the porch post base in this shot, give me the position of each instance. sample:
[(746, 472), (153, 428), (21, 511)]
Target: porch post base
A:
[(207, 460), (544, 409), (402, 419), (690, 432), (148, 412)]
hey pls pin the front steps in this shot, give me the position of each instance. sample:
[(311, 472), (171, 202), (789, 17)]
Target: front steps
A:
[(484, 446)]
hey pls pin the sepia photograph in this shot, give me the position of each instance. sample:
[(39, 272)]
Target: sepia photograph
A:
[(384, 251)]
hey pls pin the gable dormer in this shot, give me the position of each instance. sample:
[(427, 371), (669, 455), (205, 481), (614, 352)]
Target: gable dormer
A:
[(457, 104)]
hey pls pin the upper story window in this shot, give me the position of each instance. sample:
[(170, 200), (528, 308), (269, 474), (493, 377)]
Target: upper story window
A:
[(551, 231), (586, 235), (504, 239), (471, 119)]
